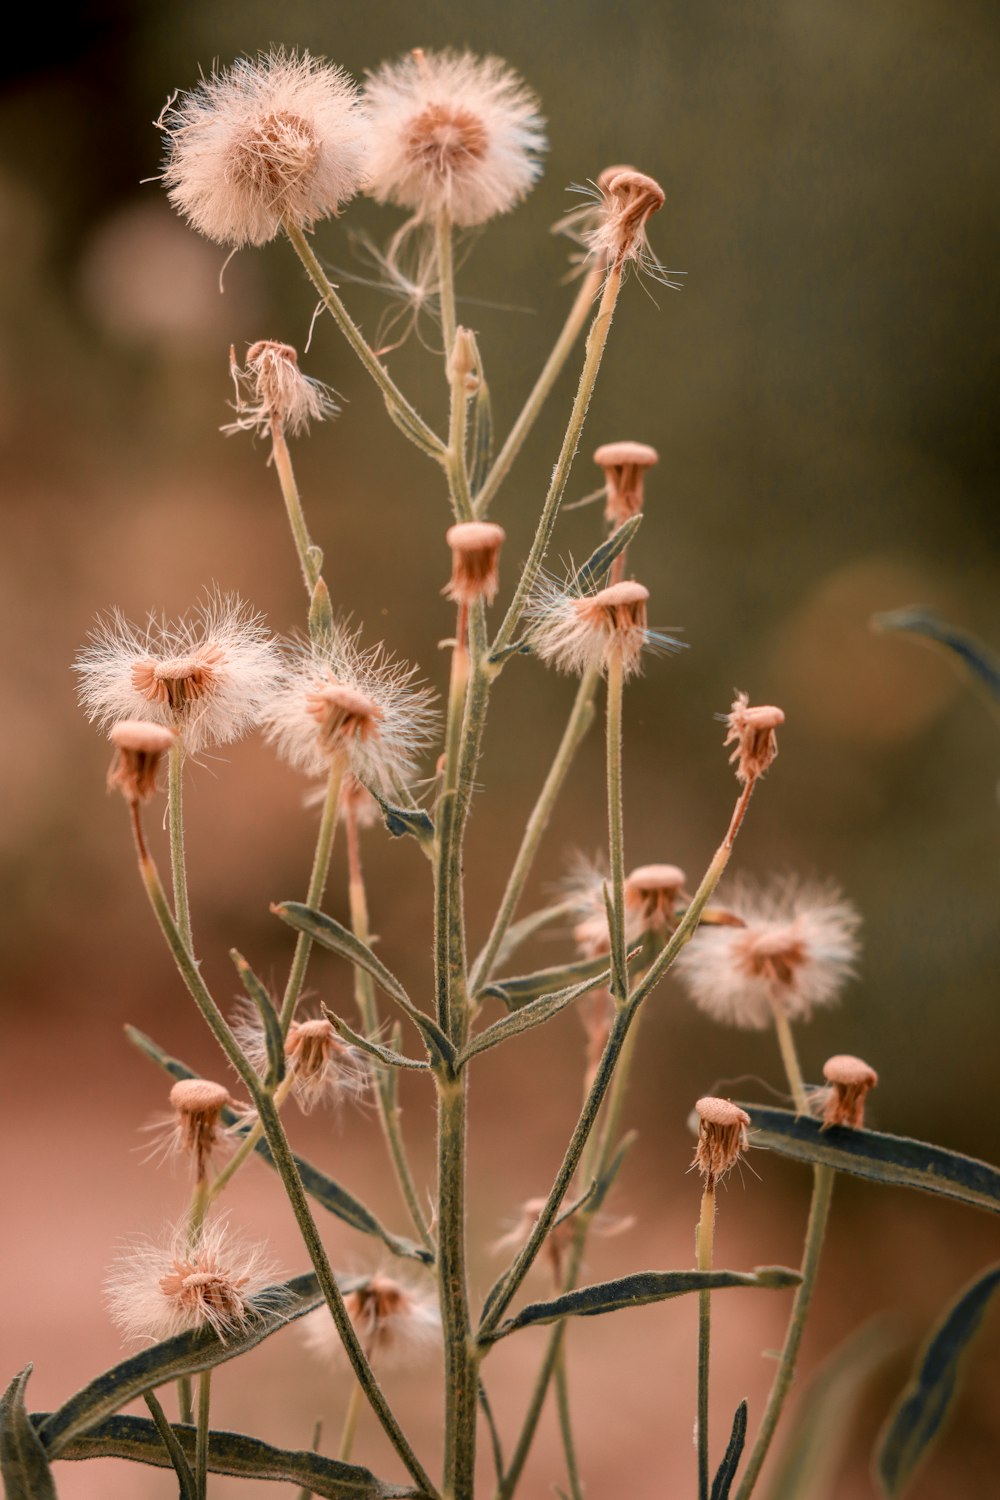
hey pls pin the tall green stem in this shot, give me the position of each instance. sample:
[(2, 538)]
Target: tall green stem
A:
[(349, 1430), (588, 290), (566, 1424), (819, 1213), (461, 1365), (293, 506), (317, 885), (402, 413), (596, 340), (616, 836), (175, 820), (576, 727), (706, 1236), (446, 282), (201, 1434), (790, 1058)]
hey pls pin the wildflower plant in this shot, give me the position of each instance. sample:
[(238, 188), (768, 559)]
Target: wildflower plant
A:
[(269, 148)]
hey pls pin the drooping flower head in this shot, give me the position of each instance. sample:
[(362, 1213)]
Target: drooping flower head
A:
[(653, 896), (339, 701), (205, 676), (396, 1324), (610, 225), (475, 554), (576, 631), (850, 1079), (268, 141), (754, 733), (139, 748), (452, 134), (625, 467), (197, 1105), (156, 1291), (272, 392), (323, 1069), (796, 947), (722, 1138)]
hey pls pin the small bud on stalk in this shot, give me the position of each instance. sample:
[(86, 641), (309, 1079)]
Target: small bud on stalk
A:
[(625, 467), (197, 1105), (850, 1080), (475, 552)]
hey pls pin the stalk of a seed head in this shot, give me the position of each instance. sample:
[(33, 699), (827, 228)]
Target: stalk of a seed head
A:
[(446, 281), (616, 836), (247, 1145), (461, 1365), (790, 1059), (566, 1424), (289, 1174), (588, 290), (201, 1434), (447, 845), (317, 885), (365, 995), (455, 464), (706, 1236), (407, 418), (350, 1427), (293, 506), (175, 820), (819, 1212), (596, 340), (576, 727)]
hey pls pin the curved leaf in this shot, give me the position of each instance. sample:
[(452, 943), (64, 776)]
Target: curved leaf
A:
[(920, 1412), (599, 562), (400, 821), (24, 1463), (534, 1013), (185, 1354), (638, 1290), (136, 1438), (273, 1038), (965, 650), (326, 1191), (726, 1472), (520, 989), (892, 1159), (387, 1055), (186, 1482)]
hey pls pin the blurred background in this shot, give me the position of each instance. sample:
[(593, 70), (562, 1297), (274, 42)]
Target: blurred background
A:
[(823, 396)]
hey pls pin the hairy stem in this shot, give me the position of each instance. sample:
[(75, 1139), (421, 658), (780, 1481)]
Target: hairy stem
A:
[(350, 1427), (566, 1423), (819, 1212), (588, 290), (461, 1367), (576, 727), (293, 507), (706, 1236), (402, 413), (178, 864), (616, 836), (314, 895), (201, 1434), (790, 1058)]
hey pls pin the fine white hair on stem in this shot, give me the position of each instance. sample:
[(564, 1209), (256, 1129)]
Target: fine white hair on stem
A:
[(794, 951), (339, 699), (216, 1281), (452, 134), (397, 1324), (276, 139), (575, 630), (205, 676)]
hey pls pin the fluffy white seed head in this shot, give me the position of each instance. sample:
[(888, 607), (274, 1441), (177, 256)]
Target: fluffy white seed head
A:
[(157, 1290), (323, 1069), (337, 700), (272, 392), (575, 631), (206, 676), (795, 950), (280, 138), (397, 1324), (452, 133)]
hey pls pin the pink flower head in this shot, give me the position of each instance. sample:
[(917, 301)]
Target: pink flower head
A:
[(273, 394), (579, 631), (475, 561), (722, 1138), (396, 1324), (139, 748), (323, 1069), (753, 732), (850, 1080), (653, 896), (279, 140), (796, 947), (625, 466)]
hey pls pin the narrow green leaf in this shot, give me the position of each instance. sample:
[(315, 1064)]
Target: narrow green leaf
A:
[(599, 562), (187, 1485), (326, 1191), (185, 1354), (726, 1472), (481, 446), (320, 608), (339, 939), (920, 1411), (233, 1453), (386, 1055), (638, 1290), (24, 1463), (273, 1039), (519, 989), (604, 1184), (892, 1159), (402, 820), (965, 650), (525, 1017)]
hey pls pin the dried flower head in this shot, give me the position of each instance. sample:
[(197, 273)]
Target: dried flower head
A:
[(337, 700), (794, 951), (585, 887), (396, 1324), (217, 1282), (272, 394), (559, 1240), (653, 895), (850, 1079), (722, 1137), (197, 1105), (357, 803), (753, 732), (625, 466), (475, 553), (205, 677), (323, 1069), (139, 748), (452, 134), (610, 225), (576, 632), (264, 143)]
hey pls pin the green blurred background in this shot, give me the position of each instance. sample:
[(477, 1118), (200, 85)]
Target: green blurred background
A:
[(823, 396)]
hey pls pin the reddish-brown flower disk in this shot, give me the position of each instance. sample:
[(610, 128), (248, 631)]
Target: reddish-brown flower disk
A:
[(722, 1137), (850, 1080), (625, 467), (475, 552), (198, 1103)]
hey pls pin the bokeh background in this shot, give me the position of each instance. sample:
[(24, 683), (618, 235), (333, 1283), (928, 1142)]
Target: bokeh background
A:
[(822, 392)]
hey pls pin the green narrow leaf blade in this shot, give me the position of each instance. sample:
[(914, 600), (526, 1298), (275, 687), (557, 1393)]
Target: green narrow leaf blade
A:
[(273, 1038), (726, 1472), (24, 1463), (481, 446), (966, 651), (387, 1055), (599, 562), (400, 821), (525, 1017), (235, 1454), (519, 989), (923, 1406), (891, 1159)]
